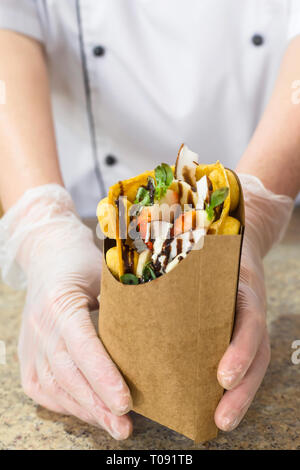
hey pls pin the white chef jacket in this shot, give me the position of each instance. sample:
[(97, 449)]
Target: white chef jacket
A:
[(133, 79)]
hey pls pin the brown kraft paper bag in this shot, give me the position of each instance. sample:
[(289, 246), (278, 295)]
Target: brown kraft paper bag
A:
[(167, 336)]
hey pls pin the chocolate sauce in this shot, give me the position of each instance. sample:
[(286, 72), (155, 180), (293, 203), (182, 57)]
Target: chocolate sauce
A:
[(167, 248), (178, 246), (188, 177), (180, 190), (127, 252), (127, 257), (190, 199), (191, 238), (218, 211), (157, 267), (165, 251), (210, 190), (151, 188)]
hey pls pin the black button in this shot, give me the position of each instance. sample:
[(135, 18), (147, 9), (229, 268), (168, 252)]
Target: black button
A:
[(110, 160), (99, 51), (257, 39)]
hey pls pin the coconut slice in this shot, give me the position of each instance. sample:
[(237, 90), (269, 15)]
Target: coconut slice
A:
[(202, 220), (179, 247), (185, 242), (157, 248), (174, 262), (160, 231), (185, 194), (186, 163), (188, 245), (202, 191), (157, 229), (148, 232)]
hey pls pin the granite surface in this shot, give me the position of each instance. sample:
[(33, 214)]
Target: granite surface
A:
[(272, 422)]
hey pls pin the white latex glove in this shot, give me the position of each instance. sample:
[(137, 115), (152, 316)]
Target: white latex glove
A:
[(64, 366), (243, 366)]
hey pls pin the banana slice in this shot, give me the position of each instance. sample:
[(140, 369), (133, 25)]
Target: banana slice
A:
[(144, 257)]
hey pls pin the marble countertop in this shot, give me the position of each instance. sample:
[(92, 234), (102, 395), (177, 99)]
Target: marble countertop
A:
[(272, 422)]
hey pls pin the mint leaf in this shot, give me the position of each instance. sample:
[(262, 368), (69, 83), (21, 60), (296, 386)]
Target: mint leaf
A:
[(163, 177), (148, 272), (157, 188), (129, 279), (169, 174), (160, 191), (160, 175), (210, 212), (218, 197), (143, 197)]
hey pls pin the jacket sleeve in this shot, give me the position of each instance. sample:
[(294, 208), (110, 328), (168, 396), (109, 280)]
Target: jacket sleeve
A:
[(21, 16), (294, 19)]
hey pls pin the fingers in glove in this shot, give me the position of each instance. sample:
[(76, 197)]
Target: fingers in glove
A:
[(235, 403), (70, 379), (119, 427), (91, 358), (247, 336), (34, 391)]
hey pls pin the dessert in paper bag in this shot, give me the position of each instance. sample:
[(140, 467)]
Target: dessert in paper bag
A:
[(169, 283)]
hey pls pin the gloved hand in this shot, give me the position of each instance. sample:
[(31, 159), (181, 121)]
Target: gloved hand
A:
[(64, 366), (243, 366)]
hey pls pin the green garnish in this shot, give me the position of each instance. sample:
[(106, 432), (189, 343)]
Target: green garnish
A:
[(143, 197), (157, 188), (217, 198), (129, 279), (164, 177), (210, 212), (148, 272)]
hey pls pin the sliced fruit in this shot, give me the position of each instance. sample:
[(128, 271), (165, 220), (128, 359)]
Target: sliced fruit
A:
[(170, 198), (150, 223), (191, 220), (112, 261), (160, 229), (143, 221), (161, 233), (204, 190), (106, 214), (234, 190), (185, 242), (174, 262), (219, 180), (231, 226), (144, 258), (186, 196), (150, 245)]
